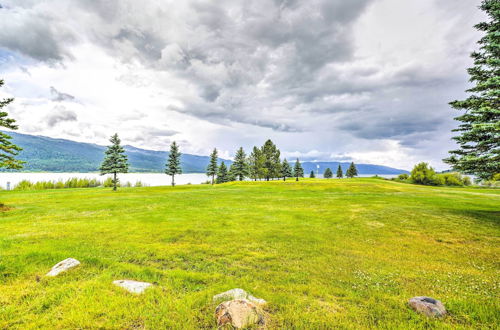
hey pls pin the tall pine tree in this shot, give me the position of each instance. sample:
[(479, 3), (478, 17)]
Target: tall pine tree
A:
[(479, 139), (173, 165), (328, 173), (240, 166), (115, 160), (7, 148), (352, 171), (298, 171), (212, 165), (272, 164), (286, 170), (312, 175), (340, 173), (255, 164)]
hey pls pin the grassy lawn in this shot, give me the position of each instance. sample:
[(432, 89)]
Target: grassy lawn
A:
[(323, 253)]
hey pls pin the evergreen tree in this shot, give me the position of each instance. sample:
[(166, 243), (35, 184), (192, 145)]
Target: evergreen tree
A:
[(231, 174), (328, 173), (212, 165), (298, 171), (222, 175), (272, 165), (9, 149), (173, 165), (255, 164), (352, 171), (240, 165), (479, 139), (286, 170), (340, 173), (312, 176), (115, 160)]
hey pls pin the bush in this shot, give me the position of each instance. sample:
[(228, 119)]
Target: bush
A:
[(467, 181), (452, 179), (24, 185), (109, 183), (403, 176), (422, 173), (70, 183)]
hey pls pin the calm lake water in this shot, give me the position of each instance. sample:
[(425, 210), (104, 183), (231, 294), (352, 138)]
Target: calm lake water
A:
[(149, 179)]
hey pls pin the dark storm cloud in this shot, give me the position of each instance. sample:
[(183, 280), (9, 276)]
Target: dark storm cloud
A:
[(59, 96), (60, 114)]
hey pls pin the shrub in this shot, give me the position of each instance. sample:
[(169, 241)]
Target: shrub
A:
[(24, 185), (70, 183), (403, 176), (138, 184), (422, 173), (108, 183), (437, 180), (452, 179), (466, 180)]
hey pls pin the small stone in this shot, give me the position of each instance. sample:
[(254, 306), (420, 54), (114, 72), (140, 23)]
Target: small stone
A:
[(428, 306), (63, 266), (238, 294), (238, 313), (133, 286)]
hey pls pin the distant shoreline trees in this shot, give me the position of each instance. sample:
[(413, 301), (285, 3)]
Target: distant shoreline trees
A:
[(115, 160), (262, 163)]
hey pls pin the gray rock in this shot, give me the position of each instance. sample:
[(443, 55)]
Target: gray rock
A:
[(428, 306), (63, 266), (238, 294), (133, 286), (238, 313)]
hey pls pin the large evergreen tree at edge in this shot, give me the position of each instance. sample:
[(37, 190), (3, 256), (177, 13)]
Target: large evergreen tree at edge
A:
[(479, 139)]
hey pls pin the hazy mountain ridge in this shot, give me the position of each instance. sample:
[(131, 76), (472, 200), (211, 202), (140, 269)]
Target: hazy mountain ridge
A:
[(45, 154)]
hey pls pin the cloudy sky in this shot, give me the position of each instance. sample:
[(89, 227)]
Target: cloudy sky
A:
[(361, 80)]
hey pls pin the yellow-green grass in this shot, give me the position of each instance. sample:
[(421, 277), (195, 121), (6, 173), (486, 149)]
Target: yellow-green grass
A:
[(324, 253)]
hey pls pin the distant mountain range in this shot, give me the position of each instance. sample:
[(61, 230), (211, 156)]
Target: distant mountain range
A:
[(44, 154)]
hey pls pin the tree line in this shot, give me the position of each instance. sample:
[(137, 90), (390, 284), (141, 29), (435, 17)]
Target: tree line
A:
[(263, 163)]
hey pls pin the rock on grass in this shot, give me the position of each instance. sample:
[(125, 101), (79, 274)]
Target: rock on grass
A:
[(133, 286), (428, 306), (63, 266), (238, 294), (239, 313)]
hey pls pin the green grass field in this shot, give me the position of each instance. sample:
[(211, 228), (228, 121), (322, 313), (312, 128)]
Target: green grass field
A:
[(323, 253)]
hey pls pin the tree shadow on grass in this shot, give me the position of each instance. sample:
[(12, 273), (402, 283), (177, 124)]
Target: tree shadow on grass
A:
[(484, 216)]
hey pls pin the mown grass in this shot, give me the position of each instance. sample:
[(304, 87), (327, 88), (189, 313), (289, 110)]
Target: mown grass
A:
[(323, 253)]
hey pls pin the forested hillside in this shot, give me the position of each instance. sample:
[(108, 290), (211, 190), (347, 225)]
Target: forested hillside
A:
[(46, 154), (59, 155)]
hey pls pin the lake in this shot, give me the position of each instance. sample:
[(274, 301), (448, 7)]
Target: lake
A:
[(148, 179)]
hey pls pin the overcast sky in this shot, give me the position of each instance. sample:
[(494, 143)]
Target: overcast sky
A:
[(361, 80)]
